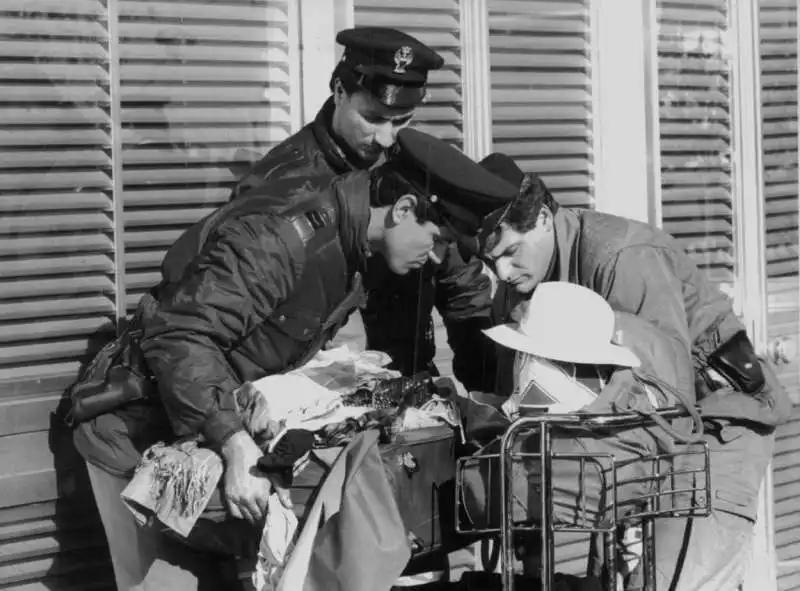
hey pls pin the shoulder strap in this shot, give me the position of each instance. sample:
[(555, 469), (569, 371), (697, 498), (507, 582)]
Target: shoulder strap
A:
[(309, 212)]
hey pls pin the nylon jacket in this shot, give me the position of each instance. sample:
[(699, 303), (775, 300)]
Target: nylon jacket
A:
[(642, 270), (397, 315), (267, 289)]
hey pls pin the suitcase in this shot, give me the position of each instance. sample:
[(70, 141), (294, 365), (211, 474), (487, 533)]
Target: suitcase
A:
[(420, 466)]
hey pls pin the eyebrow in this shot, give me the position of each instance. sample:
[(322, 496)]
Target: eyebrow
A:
[(504, 252)]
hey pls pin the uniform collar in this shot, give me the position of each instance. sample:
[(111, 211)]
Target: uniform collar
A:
[(339, 157), (352, 198), (566, 224)]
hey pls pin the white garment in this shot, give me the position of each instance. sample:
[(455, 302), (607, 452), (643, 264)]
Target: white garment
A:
[(275, 547), (548, 385)]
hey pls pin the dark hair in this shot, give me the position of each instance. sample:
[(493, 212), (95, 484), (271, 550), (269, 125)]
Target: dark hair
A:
[(524, 211), (349, 78), (387, 186)]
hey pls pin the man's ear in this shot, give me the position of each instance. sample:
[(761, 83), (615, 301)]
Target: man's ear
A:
[(545, 220), (403, 208), (339, 93)]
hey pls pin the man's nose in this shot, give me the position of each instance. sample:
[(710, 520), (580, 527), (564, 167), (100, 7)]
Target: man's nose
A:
[(502, 269), (386, 135)]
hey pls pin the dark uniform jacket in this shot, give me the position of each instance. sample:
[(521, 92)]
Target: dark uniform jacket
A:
[(268, 288), (641, 270), (254, 289), (397, 316)]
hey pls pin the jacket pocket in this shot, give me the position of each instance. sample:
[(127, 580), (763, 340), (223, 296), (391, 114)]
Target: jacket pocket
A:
[(300, 325)]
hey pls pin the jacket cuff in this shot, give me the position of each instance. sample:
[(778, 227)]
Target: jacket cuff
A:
[(221, 426)]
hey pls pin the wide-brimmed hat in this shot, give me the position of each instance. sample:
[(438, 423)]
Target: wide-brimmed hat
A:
[(569, 323)]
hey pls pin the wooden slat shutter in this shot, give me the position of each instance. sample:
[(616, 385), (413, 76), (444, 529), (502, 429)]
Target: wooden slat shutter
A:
[(56, 263), (778, 31), (541, 91), (204, 89), (694, 114), (436, 23), (148, 112), (57, 276), (779, 53)]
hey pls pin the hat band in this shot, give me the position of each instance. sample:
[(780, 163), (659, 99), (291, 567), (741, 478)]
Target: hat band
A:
[(400, 96)]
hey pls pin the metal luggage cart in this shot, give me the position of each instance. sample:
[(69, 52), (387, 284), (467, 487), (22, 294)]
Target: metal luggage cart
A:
[(674, 491)]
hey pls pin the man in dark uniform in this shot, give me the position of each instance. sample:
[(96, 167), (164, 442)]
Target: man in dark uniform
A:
[(379, 82), (256, 289)]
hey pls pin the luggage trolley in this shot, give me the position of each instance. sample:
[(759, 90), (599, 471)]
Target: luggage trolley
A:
[(667, 498)]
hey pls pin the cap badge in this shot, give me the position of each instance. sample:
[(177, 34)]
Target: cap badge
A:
[(403, 58)]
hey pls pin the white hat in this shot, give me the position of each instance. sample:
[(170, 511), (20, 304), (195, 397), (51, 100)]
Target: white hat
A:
[(569, 323)]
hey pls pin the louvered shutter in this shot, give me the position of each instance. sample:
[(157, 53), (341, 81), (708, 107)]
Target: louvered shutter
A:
[(57, 274), (694, 116), (205, 88), (778, 31), (437, 24), (779, 54), (541, 91), (56, 223)]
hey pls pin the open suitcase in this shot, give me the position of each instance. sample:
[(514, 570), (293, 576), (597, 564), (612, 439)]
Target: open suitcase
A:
[(420, 467)]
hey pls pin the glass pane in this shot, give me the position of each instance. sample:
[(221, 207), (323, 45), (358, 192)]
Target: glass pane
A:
[(778, 51), (694, 78)]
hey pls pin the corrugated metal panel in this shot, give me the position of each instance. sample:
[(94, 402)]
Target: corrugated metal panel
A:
[(542, 91), (436, 23), (694, 114), (204, 85)]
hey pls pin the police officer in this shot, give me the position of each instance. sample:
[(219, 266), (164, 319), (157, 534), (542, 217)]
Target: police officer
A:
[(255, 289), (641, 270), (376, 88)]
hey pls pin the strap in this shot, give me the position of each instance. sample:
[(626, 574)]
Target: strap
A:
[(696, 435)]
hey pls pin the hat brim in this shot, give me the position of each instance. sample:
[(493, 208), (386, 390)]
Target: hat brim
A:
[(508, 336)]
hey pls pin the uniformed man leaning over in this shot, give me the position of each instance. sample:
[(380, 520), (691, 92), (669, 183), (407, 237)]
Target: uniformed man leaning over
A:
[(255, 289), (376, 88)]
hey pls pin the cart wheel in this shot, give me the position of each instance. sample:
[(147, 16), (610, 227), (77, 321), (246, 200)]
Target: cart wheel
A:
[(490, 554)]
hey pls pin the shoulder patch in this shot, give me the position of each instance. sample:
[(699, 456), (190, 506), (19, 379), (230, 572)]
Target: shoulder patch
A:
[(318, 219)]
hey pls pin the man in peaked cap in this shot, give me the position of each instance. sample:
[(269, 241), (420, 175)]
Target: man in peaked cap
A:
[(376, 87), (254, 289)]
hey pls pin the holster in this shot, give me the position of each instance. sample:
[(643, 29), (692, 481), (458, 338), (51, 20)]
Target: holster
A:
[(122, 386), (116, 376), (726, 349)]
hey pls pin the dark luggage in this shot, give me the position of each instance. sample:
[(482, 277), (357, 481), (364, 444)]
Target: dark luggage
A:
[(420, 466)]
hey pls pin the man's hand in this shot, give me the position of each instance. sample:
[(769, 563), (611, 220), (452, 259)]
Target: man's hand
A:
[(510, 408), (246, 489)]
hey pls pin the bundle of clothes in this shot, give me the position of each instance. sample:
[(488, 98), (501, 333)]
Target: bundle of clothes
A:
[(324, 404)]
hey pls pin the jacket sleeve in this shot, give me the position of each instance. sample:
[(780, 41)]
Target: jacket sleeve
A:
[(283, 161), (231, 287), (464, 300), (643, 281)]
